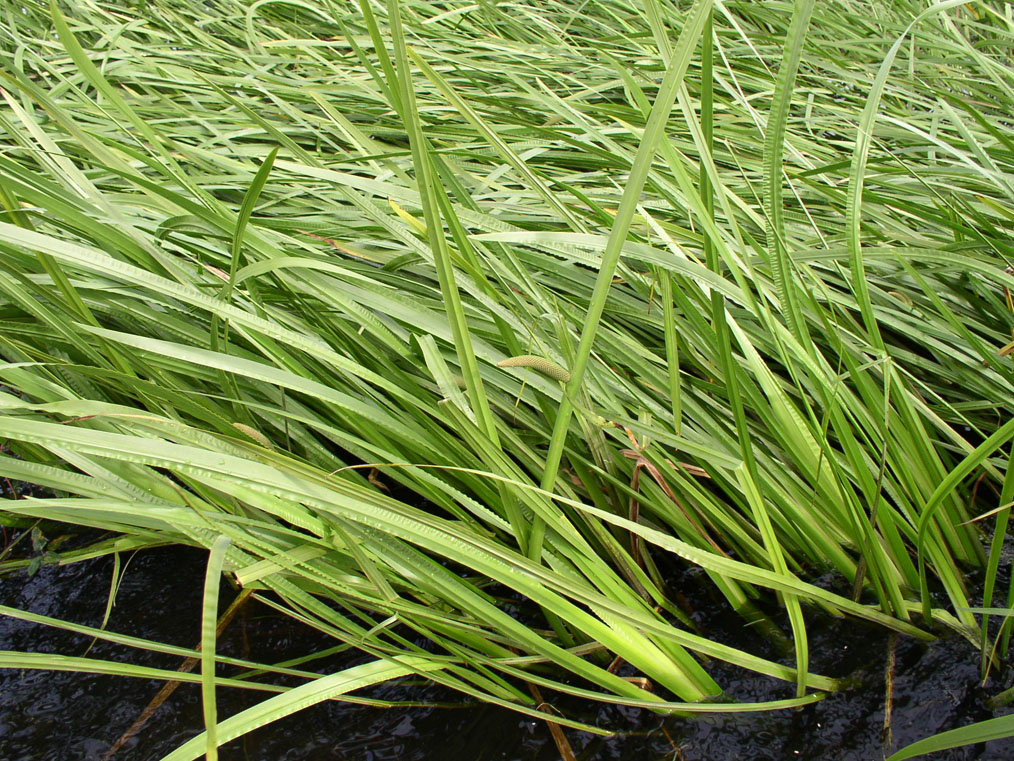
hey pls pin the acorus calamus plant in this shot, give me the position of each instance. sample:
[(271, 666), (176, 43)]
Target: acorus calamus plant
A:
[(402, 309)]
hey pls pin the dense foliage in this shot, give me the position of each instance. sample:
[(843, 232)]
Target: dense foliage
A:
[(264, 266)]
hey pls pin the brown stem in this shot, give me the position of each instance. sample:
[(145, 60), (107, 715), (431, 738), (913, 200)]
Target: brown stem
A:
[(170, 687), (562, 743)]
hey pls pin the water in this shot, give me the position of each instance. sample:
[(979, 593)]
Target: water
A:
[(60, 716)]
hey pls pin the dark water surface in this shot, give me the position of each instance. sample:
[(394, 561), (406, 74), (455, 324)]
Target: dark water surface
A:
[(59, 716)]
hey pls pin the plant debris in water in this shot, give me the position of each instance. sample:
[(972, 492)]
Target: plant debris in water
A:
[(936, 688)]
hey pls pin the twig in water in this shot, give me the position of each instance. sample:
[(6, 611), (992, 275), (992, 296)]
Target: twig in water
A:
[(886, 735), (170, 687), (562, 743)]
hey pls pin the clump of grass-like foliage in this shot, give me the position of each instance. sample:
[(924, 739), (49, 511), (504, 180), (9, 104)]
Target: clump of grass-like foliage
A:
[(394, 307)]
